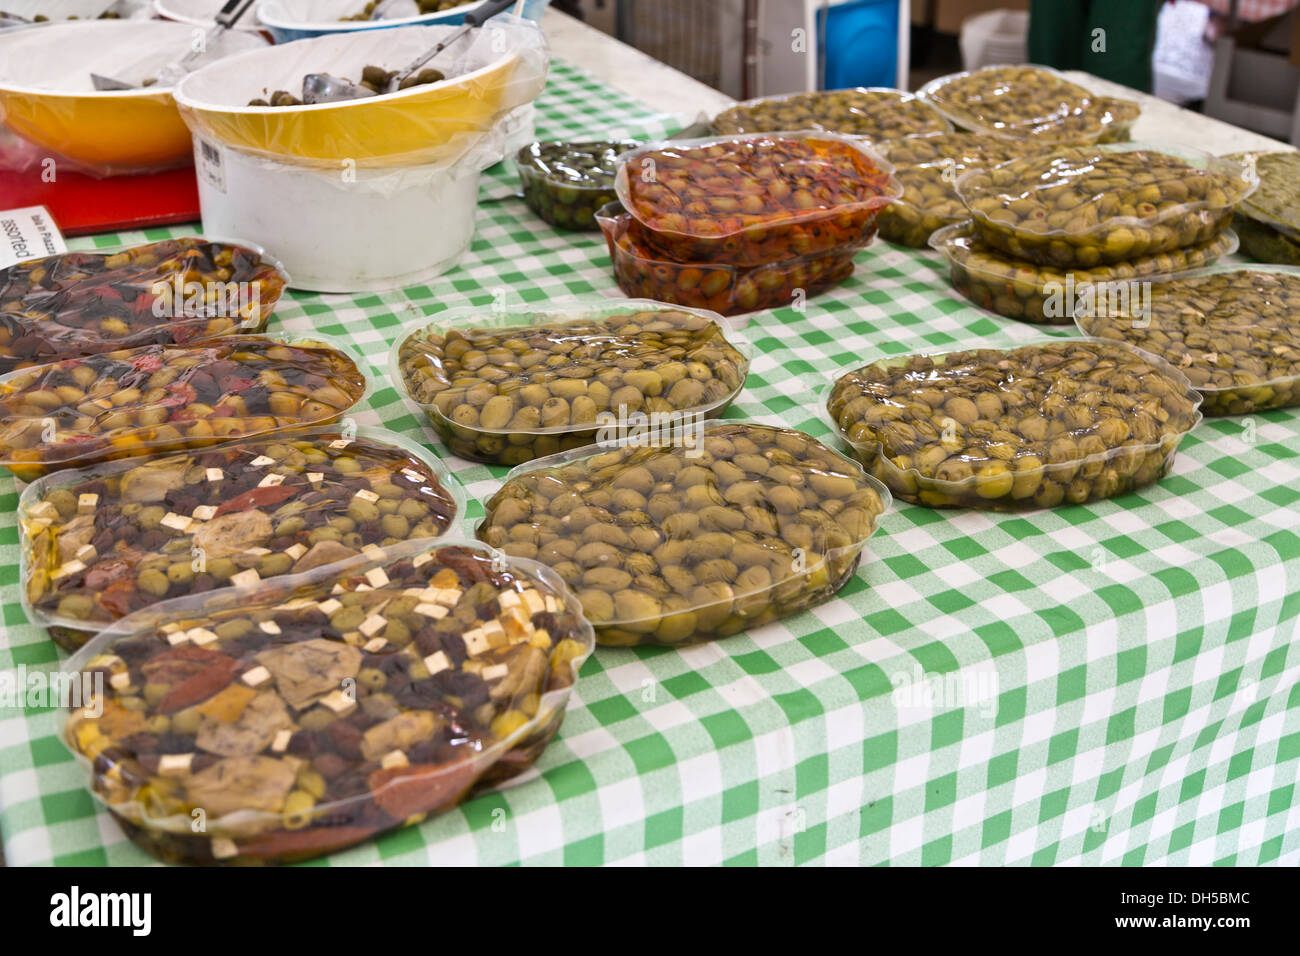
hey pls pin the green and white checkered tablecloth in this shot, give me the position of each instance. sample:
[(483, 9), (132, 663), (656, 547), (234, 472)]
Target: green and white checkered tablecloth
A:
[(1109, 683)]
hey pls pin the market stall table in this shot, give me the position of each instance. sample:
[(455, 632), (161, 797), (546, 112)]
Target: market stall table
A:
[(1108, 683)]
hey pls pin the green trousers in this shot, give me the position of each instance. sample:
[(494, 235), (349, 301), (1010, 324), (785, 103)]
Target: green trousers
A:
[(1112, 39)]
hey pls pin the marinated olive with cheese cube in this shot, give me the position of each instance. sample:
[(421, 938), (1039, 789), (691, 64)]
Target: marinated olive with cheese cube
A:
[(101, 542), (313, 712)]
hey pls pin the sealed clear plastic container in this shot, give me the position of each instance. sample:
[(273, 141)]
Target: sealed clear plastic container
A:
[(565, 183), (1018, 102), (505, 388), (1081, 206), (749, 200), (316, 711), (927, 166), (1064, 421), (102, 542), (162, 398), (693, 534), (1233, 331), (874, 112), (1032, 293), (1276, 203), (642, 272), (1264, 243), (169, 292)]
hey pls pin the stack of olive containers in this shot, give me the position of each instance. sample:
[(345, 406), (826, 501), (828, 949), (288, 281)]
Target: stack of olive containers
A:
[(743, 222), (1051, 233)]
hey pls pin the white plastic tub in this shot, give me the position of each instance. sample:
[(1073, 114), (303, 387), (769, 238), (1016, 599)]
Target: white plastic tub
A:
[(360, 230)]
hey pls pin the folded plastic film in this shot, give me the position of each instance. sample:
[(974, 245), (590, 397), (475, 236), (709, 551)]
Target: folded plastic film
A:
[(47, 97), (491, 72)]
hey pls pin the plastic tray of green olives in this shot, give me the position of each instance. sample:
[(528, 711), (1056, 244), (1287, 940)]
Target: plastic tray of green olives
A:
[(874, 112), (1082, 206), (318, 710), (1276, 203), (160, 398), (1029, 292), (694, 534), (1064, 421), (505, 388), (928, 165), (1234, 331), (99, 543), (1019, 102), (565, 183), (1264, 243)]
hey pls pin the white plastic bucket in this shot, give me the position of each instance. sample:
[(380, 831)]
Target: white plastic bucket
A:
[(344, 230)]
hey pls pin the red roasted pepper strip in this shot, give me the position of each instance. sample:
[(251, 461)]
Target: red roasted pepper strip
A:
[(256, 498)]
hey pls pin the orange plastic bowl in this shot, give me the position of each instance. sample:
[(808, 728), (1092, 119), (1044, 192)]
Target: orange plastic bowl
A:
[(47, 97)]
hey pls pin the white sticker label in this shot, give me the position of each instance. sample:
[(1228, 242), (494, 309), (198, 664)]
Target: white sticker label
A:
[(28, 233), (209, 165)]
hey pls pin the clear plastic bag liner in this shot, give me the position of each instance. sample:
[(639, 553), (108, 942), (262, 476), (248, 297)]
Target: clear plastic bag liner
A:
[(57, 10), (491, 72)]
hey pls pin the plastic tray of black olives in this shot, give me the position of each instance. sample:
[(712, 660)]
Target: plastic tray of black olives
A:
[(1063, 421), (1234, 331), (691, 534), (874, 112), (160, 398), (1028, 292), (1082, 206), (508, 387), (99, 543), (312, 712), (565, 183)]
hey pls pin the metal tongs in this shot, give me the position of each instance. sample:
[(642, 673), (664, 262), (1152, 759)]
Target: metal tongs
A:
[(324, 88), (172, 74)]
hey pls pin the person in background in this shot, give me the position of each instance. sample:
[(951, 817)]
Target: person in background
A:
[(1112, 39)]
